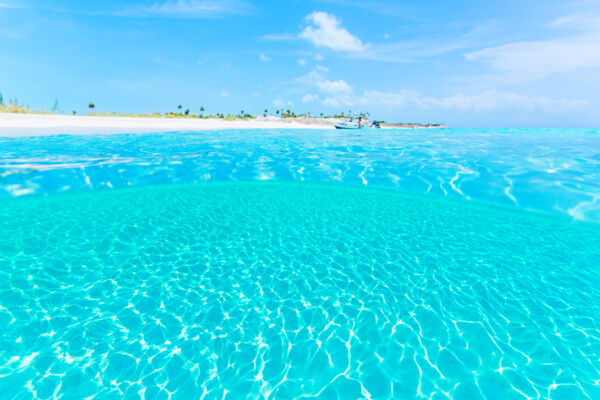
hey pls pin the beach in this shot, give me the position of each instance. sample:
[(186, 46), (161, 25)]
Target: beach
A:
[(17, 125), (25, 124)]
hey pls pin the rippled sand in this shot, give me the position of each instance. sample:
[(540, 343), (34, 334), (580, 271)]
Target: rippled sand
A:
[(244, 290)]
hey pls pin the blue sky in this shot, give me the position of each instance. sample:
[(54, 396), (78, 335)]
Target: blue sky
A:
[(465, 63)]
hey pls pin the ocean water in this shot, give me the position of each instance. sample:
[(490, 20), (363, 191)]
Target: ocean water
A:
[(216, 274), (548, 170)]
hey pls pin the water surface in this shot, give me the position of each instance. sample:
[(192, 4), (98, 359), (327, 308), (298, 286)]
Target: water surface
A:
[(549, 170), (290, 290)]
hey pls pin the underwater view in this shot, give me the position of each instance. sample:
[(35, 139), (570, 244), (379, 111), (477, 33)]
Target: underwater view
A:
[(436, 264)]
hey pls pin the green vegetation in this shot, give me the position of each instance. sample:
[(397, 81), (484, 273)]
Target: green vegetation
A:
[(13, 106)]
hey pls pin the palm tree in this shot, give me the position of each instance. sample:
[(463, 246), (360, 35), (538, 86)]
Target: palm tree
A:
[(266, 112), (321, 115), (277, 112), (187, 112), (179, 107), (1, 99), (91, 106)]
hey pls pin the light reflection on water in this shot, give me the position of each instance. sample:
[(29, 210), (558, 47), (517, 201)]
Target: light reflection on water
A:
[(155, 289), (548, 170), (283, 290)]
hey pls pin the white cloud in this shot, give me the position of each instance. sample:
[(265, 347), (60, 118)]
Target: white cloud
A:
[(334, 87), (225, 94), (539, 59), (188, 9), (386, 36), (322, 68), (577, 48), (309, 98), (278, 103), (578, 21), (263, 57), (491, 100), (315, 79), (339, 93), (310, 79), (331, 102), (325, 31), (280, 36), (302, 61)]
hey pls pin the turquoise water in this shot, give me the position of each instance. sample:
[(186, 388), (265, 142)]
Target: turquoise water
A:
[(549, 170), (286, 288)]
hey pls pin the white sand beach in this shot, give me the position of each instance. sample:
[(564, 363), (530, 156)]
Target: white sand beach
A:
[(15, 125)]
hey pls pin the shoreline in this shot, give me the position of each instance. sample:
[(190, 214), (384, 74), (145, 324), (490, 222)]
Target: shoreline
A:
[(23, 125), (20, 125)]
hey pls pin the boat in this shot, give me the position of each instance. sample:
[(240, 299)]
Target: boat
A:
[(356, 125), (347, 125)]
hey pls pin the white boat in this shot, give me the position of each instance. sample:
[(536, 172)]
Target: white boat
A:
[(356, 125), (347, 125)]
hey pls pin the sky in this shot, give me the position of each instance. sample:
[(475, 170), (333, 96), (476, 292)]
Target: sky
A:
[(512, 63)]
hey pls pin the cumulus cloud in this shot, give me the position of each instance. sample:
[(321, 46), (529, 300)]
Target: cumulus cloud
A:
[(317, 80), (325, 30), (263, 57), (225, 94), (278, 103), (334, 87), (491, 100), (331, 102), (309, 98), (302, 61)]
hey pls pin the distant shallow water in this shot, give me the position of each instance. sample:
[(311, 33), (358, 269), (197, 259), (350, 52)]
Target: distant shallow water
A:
[(244, 290), (547, 170)]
